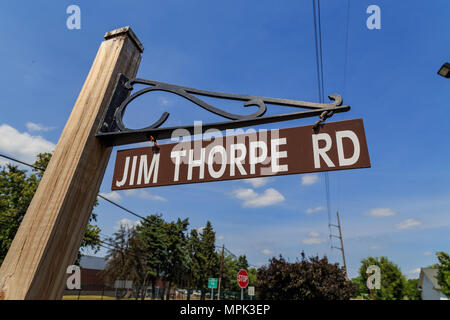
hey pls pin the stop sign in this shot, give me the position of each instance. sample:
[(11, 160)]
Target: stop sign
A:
[(242, 278)]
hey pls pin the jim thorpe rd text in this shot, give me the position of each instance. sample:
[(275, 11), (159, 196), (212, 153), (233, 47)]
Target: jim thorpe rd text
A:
[(336, 146)]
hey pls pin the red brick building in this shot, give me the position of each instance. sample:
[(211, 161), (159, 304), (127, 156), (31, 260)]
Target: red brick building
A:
[(92, 273)]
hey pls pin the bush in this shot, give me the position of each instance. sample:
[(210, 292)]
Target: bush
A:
[(309, 279)]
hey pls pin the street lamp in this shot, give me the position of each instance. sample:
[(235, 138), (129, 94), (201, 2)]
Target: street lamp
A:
[(445, 70)]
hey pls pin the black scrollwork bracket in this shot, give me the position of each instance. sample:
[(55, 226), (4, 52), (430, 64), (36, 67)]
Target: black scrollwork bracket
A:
[(113, 132)]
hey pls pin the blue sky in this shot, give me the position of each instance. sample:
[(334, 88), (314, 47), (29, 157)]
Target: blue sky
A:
[(398, 208)]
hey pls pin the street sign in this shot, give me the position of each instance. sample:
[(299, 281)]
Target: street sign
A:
[(251, 291), (242, 278), (212, 283), (336, 146), (123, 284)]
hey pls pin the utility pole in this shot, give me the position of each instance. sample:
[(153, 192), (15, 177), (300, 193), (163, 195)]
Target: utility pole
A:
[(220, 272), (338, 226)]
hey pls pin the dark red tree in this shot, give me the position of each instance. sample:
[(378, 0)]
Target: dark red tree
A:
[(309, 279)]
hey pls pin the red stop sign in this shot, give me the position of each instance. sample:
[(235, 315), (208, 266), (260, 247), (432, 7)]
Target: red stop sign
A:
[(242, 278)]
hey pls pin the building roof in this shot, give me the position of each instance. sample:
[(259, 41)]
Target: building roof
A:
[(92, 262), (431, 274)]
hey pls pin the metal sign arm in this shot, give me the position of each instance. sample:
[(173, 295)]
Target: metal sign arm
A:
[(113, 131)]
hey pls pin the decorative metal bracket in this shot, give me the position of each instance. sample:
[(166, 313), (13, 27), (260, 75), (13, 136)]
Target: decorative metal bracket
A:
[(113, 132)]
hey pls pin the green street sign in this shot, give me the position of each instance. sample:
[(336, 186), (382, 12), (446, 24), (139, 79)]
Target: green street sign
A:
[(212, 283)]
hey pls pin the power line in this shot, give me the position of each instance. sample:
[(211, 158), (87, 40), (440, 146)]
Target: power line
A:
[(99, 195), (320, 85), (344, 90), (121, 207), (19, 161)]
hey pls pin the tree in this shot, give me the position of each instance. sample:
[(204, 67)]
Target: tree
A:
[(393, 282), (153, 239), (208, 247), (242, 262), (175, 266), (198, 260), (252, 276), (443, 276), (203, 259), (118, 256), (361, 288), (16, 192), (125, 257), (229, 273), (309, 279), (412, 290)]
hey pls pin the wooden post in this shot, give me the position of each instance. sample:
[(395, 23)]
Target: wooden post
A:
[(50, 234)]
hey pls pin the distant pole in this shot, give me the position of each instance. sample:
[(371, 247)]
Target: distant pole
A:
[(220, 271), (242, 293), (51, 232), (341, 248), (342, 243)]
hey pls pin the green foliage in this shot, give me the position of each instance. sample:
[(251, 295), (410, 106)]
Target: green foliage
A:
[(412, 290), (361, 288), (153, 239), (393, 282), (17, 189), (198, 260), (309, 279), (208, 240), (177, 255), (242, 262), (229, 274), (203, 257), (443, 276), (120, 257), (252, 276), (155, 249)]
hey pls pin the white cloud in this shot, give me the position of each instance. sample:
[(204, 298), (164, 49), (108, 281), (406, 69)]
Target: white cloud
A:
[(22, 145), (314, 210), (312, 241), (142, 194), (380, 212), (266, 252), (113, 196), (199, 229), (408, 224), (314, 238), (164, 101), (428, 253), (257, 182), (256, 200), (414, 271), (126, 223), (376, 248), (220, 237), (31, 126), (309, 179)]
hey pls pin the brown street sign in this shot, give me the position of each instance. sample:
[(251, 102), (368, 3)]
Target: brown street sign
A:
[(336, 146)]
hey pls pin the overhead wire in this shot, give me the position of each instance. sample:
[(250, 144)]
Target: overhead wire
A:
[(320, 85), (344, 89), (99, 195)]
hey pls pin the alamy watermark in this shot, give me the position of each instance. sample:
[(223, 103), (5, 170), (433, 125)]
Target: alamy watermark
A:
[(73, 21), (74, 280), (374, 280), (373, 22)]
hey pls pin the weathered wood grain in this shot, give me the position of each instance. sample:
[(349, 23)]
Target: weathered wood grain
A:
[(51, 232)]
